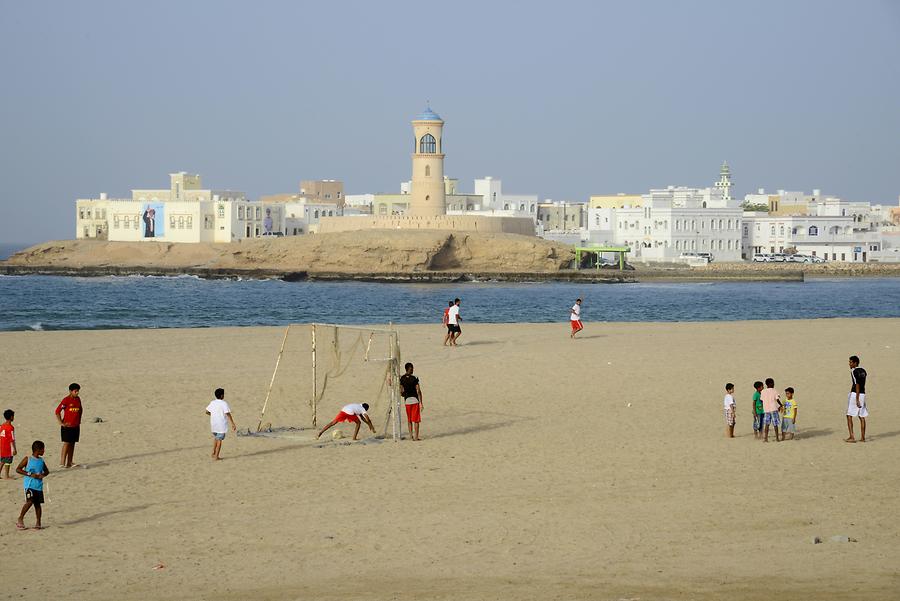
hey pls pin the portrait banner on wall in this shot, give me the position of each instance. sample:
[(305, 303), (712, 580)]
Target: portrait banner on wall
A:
[(154, 219)]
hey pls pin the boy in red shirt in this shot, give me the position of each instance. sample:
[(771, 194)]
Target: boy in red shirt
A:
[(68, 414), (7, 443)]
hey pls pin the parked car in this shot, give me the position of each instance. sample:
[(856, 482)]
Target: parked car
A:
[(692, 256), (762, 258)]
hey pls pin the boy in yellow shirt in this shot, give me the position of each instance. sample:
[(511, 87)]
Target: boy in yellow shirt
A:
[(789, 419)]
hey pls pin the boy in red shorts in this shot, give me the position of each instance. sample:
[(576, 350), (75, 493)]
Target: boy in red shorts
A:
[(412, 397), (68, 414), (351, 413), (575, 318)]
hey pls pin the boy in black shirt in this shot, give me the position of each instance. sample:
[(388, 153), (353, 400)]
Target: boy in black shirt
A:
[(856, 401), (412, 397)]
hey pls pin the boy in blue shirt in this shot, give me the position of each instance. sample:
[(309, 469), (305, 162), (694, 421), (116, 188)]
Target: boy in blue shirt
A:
[(34, 469)]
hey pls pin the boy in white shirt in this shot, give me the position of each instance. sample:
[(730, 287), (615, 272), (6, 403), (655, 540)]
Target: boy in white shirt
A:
[(219, 416), (729, 410), (453, 320), (575, 318), (351, 413)]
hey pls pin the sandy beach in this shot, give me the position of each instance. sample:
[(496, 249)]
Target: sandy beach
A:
[(550, 469)]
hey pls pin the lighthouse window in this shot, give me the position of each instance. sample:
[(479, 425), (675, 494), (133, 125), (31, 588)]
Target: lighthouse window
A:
[(427, 170), (427, 145)]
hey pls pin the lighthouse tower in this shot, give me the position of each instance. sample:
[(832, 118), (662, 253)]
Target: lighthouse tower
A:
[(427, 194)]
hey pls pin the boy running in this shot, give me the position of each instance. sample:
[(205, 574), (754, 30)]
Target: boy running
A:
[(68, 414), (412, 397), (34, 469), (7, 443), (219, 416), (351, 413), (575, 318)]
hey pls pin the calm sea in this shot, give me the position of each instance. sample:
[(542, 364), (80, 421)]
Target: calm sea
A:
[(67, 303)]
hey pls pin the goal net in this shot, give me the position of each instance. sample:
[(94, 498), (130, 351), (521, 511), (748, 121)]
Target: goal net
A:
[(322, 367)]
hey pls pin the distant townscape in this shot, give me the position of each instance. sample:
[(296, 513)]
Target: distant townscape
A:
[(672, 224)]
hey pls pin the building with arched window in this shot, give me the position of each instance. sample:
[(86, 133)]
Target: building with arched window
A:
[(432, 201)]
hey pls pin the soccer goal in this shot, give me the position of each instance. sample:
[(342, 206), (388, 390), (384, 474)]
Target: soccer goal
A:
[(322, 367)]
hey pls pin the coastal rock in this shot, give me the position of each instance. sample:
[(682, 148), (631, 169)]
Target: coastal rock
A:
[(364, 252)]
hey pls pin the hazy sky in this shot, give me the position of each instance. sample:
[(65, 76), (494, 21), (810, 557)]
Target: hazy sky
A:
[(560, 99)]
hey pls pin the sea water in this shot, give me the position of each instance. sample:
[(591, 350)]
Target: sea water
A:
[(69, 303)]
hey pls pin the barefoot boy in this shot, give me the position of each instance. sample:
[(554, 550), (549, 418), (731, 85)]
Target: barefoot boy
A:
[(729, 410), (856, 401), (789, 415), (34, 469), (7, 442), (757, 409), (351, 413), (412, 397), (219, 416), (771, 406), (446, 321), (575, 318), (68, 414)]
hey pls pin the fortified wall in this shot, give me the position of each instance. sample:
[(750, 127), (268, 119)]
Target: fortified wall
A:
[(484, 224)]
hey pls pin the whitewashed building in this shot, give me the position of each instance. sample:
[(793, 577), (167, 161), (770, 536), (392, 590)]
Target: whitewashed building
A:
[(833, 238), (667, 223), (183, 213)]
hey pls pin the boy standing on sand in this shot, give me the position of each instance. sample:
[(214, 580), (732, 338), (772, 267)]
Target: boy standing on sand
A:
[(757, 409), (575, 318), (730, 410), (34, 468), (412, 397), (7, 443), (856, 401), (771, 405), (68, 414), (789, 415), (219, 416), (351, 413)]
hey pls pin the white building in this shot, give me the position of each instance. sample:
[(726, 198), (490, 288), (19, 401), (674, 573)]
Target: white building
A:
[(834, 238), (183, 213), (669, 222)]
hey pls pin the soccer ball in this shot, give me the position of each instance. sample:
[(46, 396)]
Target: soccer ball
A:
[(337, 435)]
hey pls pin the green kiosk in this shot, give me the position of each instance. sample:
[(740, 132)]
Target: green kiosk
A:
[(592, 256)]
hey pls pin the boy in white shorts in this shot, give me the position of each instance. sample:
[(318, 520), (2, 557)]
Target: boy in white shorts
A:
[(856, 400)]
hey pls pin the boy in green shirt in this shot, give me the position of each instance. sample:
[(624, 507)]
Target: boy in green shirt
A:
[(757, 410)]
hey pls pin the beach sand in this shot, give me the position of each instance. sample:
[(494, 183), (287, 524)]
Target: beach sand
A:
[(550, 469)]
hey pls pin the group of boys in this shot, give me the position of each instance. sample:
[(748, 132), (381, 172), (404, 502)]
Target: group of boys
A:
[(770, 410), (33, 468)]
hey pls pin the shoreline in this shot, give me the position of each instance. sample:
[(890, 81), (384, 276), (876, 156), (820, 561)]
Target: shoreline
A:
[(641, 274)]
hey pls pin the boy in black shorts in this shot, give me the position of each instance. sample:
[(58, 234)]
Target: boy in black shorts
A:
[(68, 414), (34, 469)]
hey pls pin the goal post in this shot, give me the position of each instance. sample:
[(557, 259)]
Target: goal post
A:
[(336, 365)]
